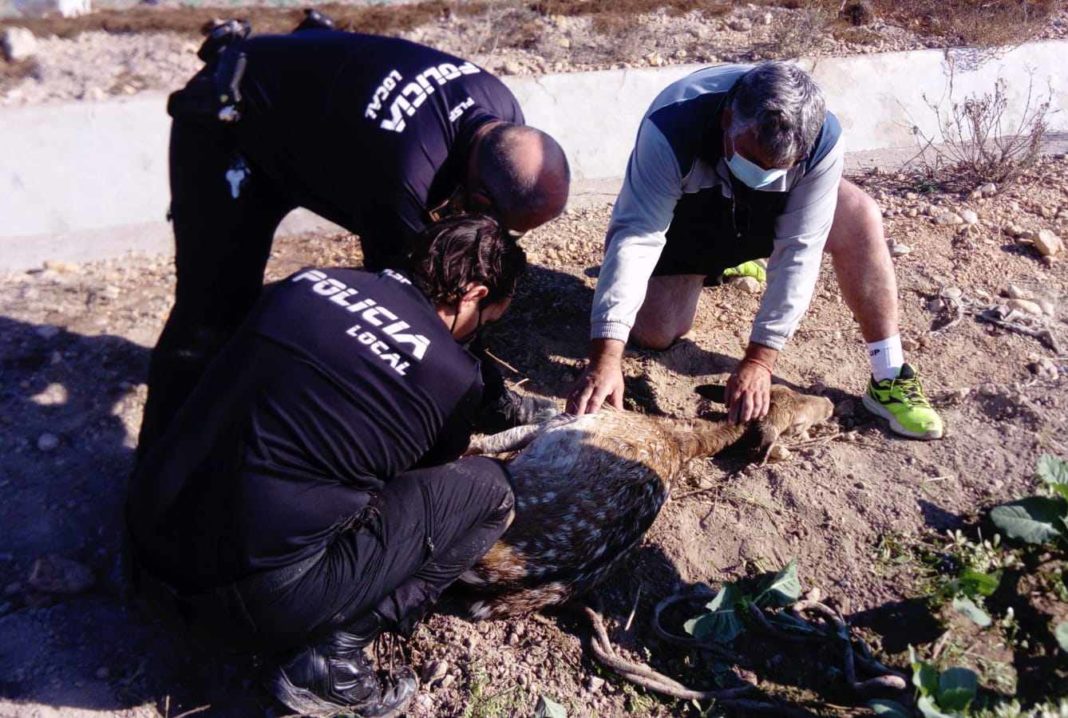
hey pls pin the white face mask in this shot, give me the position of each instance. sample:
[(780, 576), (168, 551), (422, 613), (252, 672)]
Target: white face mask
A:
[(751, 174)]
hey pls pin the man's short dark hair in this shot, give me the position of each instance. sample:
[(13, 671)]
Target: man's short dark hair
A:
[(512, 190), (458, 251)]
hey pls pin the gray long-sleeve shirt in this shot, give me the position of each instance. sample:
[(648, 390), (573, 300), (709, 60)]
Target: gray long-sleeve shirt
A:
[(667, 162)]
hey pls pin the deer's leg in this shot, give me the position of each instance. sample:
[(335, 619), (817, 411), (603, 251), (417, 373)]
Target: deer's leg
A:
[(513, 439)]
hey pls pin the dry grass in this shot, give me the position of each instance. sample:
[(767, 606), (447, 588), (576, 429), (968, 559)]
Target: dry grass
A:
[(953, 22), (985, 23), (377, 19)]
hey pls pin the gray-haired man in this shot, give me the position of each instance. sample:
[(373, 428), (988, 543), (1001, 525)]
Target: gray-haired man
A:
[(734, 163)]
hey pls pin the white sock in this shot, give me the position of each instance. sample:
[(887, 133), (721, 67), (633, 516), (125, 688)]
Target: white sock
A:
[(886, 357)]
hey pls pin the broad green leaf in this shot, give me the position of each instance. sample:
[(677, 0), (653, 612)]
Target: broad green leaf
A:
[(976, 583), (721, 624), (892, 709), (1052, 471), (924, 675), (1061, 632), (968, 607), (784, 589), (929, 708), (1060, 489), (957, 688), (1034, 520), (548, 708)]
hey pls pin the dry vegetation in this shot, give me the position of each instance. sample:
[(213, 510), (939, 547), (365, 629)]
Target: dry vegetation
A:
[(950, 22)]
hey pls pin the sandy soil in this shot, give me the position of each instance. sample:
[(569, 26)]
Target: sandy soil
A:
[(74, 343), (153, 48)]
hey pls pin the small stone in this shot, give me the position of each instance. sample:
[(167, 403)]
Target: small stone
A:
[(740, 24), (750, 285), (969, 216), (1012, 230), (900, 250), (47, 442), (909, 345), (435, 671), (447, 681), (47, 331), (55, 574), (1047, 243), (988, 190), (655, 59), (564, 42), (62, 267), (1044, 368), (851, 437), (594, 684), (52, 395), (766, 18), (912, 212), (511, 67), (1014, 292), (102, 673), (425, 702), (779, 453), (948, 218), (1047, 307), (18, 44), (954, 293), (1026, 306)]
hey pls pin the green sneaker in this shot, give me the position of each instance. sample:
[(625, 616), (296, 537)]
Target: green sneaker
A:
[(754, 269), (901, 402)]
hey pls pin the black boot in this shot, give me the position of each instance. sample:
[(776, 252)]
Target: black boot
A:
[(334, 677)]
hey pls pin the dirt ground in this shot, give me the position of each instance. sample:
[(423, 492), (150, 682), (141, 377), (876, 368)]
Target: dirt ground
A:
[(112, 52), (74, 343)]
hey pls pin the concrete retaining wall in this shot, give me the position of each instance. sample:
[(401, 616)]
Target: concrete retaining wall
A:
[(87, 180)]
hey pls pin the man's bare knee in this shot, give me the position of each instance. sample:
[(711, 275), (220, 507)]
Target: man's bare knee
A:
[(857, 221), (655, 338)]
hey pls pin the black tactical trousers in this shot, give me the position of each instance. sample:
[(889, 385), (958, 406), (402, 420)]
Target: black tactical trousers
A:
[(224, 220), (420, 533)]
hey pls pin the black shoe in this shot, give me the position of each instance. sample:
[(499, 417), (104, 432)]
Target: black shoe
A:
[(335, 677)]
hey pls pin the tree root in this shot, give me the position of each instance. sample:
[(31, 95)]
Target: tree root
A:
[(830, 626), (642, 675)]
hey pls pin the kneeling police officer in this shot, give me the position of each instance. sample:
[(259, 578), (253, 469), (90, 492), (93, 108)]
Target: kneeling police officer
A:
[(308, 495)]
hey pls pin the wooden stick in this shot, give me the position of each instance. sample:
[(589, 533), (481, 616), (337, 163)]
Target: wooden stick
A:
[(502, 362)]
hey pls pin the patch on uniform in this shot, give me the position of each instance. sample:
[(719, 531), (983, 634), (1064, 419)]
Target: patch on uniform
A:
[(237, 175)]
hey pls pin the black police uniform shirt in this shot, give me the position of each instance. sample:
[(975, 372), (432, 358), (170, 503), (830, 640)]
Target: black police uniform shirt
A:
[(338, 381), (366, 131)]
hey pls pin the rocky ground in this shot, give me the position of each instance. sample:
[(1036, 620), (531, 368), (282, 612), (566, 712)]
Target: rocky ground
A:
[(855, 505), (153, 48)]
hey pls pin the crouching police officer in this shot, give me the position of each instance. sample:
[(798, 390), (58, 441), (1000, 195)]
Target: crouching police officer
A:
[(379, 135), (308, 496)]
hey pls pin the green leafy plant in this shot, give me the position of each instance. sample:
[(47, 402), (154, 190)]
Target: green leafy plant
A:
[(942, 694), (723, 622), (1043, 518)]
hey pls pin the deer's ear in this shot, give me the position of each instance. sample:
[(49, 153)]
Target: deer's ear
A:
[(713, 392)]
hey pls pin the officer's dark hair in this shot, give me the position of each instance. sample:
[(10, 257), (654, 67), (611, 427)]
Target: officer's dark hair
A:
[(458, 251), (514, 191)]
